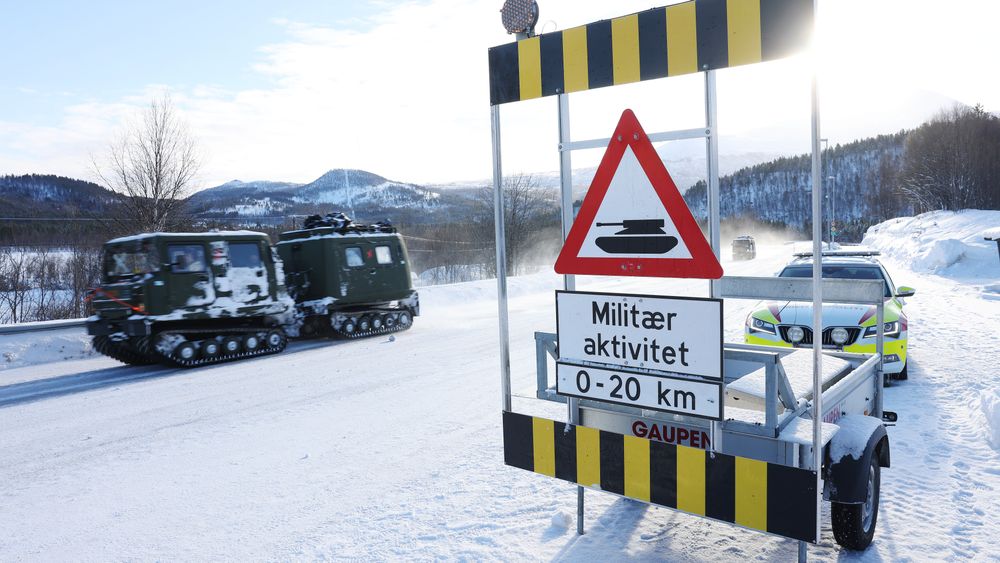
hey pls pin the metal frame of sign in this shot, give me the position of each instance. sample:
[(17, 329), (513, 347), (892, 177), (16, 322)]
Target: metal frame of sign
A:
[(551, 64), (641, 295), (618, 369)]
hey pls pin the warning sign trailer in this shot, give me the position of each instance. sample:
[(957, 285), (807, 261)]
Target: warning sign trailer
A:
[(659, 409)]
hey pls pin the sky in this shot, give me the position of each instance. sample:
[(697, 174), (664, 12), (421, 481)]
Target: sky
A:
[(286, 91)]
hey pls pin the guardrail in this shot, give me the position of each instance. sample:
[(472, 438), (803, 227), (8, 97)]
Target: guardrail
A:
[(41, 326)]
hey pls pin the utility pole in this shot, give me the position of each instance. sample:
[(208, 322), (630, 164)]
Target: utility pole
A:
[(830, 232)]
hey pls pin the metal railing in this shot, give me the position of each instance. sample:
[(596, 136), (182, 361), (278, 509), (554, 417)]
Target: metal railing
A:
[(19, 328)]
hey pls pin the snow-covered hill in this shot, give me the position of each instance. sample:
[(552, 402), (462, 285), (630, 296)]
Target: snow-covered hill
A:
[(357, 192)]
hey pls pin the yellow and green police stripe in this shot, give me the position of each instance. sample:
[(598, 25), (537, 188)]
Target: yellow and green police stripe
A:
[(764, 496), (678, 39)]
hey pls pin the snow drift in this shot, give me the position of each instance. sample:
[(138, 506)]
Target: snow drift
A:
[(949, 243)]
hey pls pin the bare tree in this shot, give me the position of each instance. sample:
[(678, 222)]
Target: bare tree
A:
[(527, 209), (15, 283), (151, 165), (953, 161)]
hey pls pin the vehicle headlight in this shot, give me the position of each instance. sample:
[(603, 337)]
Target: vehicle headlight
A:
[(757, 325), (839, 335), (796, 334), (890, 329)]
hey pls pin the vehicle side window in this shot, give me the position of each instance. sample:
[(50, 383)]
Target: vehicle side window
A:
[(383, 254), (354, 258), (186, 258), (244, 255)]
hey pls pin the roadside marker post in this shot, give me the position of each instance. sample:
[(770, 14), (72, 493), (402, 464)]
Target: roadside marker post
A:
[(654, 238)]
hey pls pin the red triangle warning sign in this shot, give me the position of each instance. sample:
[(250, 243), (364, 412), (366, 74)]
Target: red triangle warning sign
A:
[(633, 221)]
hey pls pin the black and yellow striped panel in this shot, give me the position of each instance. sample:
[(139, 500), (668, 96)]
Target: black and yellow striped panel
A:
[(755, 494), (678, 39)]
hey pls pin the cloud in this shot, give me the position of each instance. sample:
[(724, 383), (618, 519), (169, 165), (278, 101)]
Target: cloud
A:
[(405, 95)]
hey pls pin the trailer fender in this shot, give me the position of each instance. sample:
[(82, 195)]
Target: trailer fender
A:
[(849, 454)]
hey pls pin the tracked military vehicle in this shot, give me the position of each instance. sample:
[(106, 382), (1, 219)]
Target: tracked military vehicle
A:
[(190, 299), (349, 279)]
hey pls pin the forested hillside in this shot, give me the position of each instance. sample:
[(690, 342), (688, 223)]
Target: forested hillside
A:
[(860, 183)]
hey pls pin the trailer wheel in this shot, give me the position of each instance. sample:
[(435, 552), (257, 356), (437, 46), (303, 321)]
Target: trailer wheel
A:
[(854, 524)]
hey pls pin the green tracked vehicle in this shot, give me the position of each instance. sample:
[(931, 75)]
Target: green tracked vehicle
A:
[(190, 299), (349, 279)]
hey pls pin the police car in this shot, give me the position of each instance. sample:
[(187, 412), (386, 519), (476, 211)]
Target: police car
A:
[(851, 328)]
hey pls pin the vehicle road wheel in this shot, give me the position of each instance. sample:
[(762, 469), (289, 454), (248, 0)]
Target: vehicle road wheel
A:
[(231, 345), (349, 327), (186, 351), (854, 524), (390, 320), (251, 342), (276, 340), (376, 322), (210, 348), (364, 324), (405, 319)]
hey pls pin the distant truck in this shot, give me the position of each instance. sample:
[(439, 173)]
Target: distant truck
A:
[(199, 298), (744, 248)]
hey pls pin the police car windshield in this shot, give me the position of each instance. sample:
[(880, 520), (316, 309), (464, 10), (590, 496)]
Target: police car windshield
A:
[(838, 272)]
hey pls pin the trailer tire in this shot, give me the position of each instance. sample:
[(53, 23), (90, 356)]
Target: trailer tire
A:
[(854, 524)]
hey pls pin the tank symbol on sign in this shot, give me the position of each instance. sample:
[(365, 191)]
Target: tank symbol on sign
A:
[(640, 236)]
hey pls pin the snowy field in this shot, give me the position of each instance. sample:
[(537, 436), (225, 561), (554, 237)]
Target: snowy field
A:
[(391, 450)]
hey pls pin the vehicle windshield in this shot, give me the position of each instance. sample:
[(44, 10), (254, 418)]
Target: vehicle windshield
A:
[(128, 260), (839, 272)]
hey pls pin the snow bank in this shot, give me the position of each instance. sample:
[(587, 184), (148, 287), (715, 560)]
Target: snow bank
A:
[(32, 348), (949, 243), (989, 402)]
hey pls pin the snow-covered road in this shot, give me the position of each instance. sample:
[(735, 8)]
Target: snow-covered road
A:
[(391, 450)]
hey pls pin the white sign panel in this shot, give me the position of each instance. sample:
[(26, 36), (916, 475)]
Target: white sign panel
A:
[(632, 221), (668, 394), (669, 334)]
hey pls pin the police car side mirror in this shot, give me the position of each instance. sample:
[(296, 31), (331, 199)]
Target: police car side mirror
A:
[(904, 291)]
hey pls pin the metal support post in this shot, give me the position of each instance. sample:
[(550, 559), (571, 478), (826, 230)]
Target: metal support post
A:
[(714, 221), (501, 246), (880, 350), (565, 181), (569, 281), (817, 233)]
